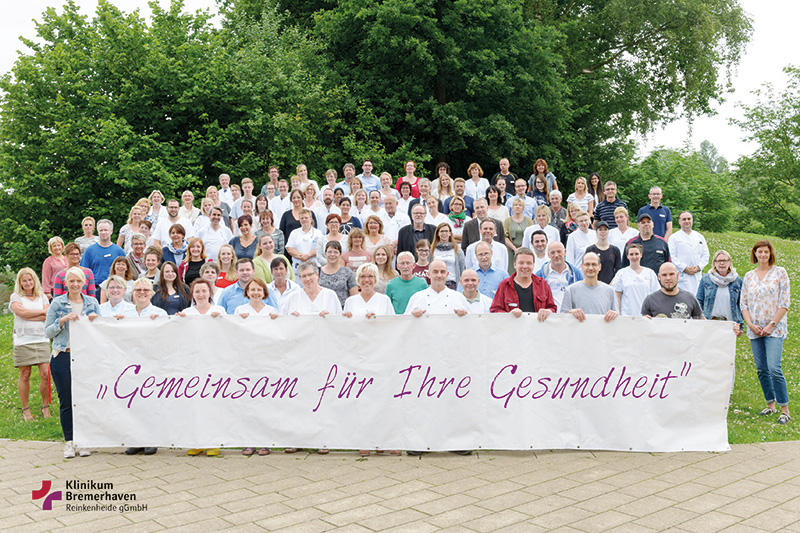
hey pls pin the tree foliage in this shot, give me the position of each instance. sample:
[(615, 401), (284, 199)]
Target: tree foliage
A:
[(768, 180), (688, 184)]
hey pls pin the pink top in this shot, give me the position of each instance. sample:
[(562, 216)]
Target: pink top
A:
[(50, 268), (762, 298)]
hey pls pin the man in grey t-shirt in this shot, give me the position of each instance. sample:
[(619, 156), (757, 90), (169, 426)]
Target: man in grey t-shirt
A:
[(590, 296), (670, 301)]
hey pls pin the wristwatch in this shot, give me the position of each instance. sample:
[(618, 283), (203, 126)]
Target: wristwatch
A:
[(772, 323)]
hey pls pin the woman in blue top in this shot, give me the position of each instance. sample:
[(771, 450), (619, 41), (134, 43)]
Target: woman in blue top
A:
[(64, 309)]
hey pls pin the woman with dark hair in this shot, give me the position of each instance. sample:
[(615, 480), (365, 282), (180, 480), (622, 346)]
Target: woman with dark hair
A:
[(290, 220), (445, 248), (266, 218), (175, 251), (333, 222), (540, 170), (765, 301), (171, 293), (595, 188), (119, 267), (405, 197), (256, 292), (539, 192), (496, 208), (336, 277), (244, 245), (348, 223)]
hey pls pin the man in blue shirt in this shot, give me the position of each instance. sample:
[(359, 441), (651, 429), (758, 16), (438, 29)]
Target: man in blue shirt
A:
[(659, 214), (370, 181), (100, 255), (233, 295), (489, 278)]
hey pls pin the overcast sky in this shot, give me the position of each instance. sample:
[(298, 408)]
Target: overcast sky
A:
[(771, 49)]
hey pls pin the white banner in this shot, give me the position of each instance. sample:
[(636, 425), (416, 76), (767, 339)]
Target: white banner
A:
[(432, 383)]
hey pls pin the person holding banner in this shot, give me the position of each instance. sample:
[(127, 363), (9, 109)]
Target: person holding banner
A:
[(720, 291), (368, 302), (202, 290), (765, 301), (523, 292), (256, 292), (313, 299), (590, 295), (64, 309), (437, 299)]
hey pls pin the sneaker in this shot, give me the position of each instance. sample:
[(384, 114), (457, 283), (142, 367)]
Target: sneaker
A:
[(84, 452), (69, 450), (784, 418), (768, 411)]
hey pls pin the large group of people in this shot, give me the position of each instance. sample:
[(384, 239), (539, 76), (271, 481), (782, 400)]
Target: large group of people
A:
[(369, 246)]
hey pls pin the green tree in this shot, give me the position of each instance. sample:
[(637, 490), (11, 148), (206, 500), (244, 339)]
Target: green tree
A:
[(688, 185), (767, 180)]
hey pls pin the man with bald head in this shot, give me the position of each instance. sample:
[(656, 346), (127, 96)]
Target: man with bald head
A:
[(590, 296), (437, 299), (478, 303), (671, 301), (558, 273)]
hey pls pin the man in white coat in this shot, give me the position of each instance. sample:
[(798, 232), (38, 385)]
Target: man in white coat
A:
[(688, 250)]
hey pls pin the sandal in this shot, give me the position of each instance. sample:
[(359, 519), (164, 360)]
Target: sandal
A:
[(364, 453), (784, 418), (46, 411), (290, 450), (768, 411), (248, 451), (263, 451), (26, 413)]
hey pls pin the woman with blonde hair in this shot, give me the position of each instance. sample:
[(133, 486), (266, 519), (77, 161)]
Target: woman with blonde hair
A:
[(227, 266), (443, 188), (720, 291), (356, 255), (374, 236), (570, 224), (54, 264), (65, 309), (457, 217), (157, 210), (204, 219), (88, 238), (31, 347), (383, 259), (135, 219), (305, 183), (264, 257), (386, 187), (189, 269), (582, 196), (368, 302)]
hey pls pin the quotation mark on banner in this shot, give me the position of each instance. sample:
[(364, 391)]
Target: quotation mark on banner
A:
[(102, 392), (47, 505)]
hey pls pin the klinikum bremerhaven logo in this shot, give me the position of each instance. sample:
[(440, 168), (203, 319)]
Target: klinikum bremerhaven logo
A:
[(95, 496)]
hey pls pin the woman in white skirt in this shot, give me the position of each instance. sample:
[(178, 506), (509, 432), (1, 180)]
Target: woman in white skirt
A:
[(31, 345)]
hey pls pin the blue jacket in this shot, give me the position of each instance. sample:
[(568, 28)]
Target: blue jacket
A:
[(707, 293), (61, 307), (573, 275)]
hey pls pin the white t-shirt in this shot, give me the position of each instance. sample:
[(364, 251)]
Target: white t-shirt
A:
[(192, 311), (481, 305), (28, 331), (380, 304), (162, 232), (634, 288), (499, 256), (214, 239), (551, 232), (577, 243), (247, 308), (303, 242), (619, 239), (299, 301)]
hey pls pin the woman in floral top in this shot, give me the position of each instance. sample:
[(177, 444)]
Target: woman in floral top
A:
[(765, 301)]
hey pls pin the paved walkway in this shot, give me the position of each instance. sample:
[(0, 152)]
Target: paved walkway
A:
[(752, 488)]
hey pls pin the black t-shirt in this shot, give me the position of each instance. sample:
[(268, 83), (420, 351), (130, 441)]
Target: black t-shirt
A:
[(192, 271), (525, 296), (610, 262), (681, 305)]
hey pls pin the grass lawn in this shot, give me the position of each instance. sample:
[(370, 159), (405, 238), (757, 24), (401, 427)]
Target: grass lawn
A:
[(744, 424)]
